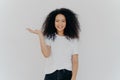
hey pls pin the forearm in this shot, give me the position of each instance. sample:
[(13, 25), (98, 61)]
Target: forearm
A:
[(44, 48), (74, 70), (74, 67)]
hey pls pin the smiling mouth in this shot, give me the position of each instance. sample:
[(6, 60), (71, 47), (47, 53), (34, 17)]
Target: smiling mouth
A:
[(60, 27)]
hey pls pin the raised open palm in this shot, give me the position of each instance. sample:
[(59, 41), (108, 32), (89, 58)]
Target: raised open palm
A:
[(36, 31)]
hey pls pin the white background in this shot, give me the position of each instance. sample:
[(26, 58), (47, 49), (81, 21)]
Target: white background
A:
[(20, 55)]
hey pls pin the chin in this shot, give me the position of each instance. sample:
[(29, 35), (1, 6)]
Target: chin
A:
[(60, 30)]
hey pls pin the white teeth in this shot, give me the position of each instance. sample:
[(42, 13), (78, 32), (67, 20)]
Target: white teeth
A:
[(60, 27)]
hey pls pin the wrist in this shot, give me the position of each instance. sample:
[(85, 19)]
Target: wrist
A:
[(73, 78), (40, 34)]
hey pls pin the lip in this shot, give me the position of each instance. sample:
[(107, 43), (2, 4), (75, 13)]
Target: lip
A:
[(60, 27)]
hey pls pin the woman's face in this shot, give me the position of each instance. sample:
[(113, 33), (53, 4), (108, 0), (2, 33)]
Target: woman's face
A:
[(60, 23)]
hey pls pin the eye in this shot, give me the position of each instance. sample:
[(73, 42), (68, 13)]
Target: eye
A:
[(56, 20), (63, 21)]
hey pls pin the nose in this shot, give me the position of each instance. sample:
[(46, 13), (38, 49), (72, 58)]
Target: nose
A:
[(60, 23)]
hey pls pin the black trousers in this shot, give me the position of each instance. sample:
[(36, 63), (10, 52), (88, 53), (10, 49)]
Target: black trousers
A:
[(62, 74)]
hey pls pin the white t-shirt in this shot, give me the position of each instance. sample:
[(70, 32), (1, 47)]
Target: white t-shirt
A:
[(62, 50)]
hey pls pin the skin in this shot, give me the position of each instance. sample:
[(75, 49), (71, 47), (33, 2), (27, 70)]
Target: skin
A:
[(60, 24)]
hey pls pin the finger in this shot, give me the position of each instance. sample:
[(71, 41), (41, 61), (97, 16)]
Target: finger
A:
[(30, 30)]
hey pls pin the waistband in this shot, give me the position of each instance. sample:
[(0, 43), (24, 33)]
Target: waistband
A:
[(62, 70)]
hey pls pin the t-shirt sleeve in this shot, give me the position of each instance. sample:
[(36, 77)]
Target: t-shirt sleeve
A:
[(48, 41), (75, 47)]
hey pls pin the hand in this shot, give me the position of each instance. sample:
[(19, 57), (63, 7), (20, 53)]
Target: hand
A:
[(36, 31)]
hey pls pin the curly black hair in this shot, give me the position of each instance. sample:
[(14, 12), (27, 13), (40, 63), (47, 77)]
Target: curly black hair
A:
[(72, 28)]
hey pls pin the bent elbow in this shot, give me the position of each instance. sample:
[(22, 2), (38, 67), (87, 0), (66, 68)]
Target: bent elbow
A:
[(46, 53), (46, 56)]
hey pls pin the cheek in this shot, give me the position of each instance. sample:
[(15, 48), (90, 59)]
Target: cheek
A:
[(64, 24), (56, 24)]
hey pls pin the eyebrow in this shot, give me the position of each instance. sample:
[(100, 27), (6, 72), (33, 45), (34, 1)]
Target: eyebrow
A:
[(60, 19)]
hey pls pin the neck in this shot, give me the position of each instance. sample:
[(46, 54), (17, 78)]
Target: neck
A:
[(60, 33)]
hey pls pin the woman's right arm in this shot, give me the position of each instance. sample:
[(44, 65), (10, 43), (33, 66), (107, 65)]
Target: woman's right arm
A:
[(46, 50)]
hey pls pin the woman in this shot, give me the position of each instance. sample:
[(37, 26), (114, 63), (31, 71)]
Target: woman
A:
[(59, 44)]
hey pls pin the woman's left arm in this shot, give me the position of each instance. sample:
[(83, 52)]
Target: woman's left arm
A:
[(74, 66)]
